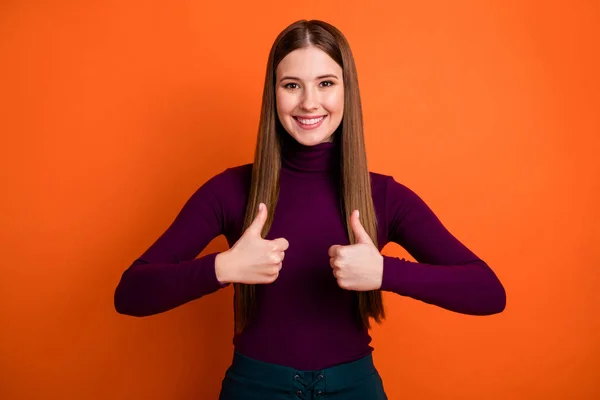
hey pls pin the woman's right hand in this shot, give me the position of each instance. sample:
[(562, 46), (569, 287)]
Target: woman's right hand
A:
[(252, 259)]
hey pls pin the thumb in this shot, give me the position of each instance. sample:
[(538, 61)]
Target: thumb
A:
[(256, 226), (361, 235)]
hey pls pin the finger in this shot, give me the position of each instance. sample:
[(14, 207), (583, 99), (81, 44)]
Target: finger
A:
[(336, 273), (273, 270), (335, 263), (272, 278), (280, 244), (333, 250), (359, 231), (257, 225), (275, 258)]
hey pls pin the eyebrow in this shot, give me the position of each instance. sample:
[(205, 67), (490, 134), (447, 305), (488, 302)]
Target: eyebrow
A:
[(318, 77)]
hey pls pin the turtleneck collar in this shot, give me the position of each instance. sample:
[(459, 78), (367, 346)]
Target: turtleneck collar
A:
[(320, 159)]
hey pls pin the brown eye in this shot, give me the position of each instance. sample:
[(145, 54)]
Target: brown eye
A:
[(287, 85), (328, 83)]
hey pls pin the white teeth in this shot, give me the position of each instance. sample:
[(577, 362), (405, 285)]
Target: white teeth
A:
[(310, 121)]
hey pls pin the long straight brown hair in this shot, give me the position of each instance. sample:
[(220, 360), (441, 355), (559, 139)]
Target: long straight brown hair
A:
[(355, 181)]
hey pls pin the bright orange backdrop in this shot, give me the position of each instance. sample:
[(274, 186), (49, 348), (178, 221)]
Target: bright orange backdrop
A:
[(113, 113)]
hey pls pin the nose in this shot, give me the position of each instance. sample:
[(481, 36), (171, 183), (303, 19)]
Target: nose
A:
[(309, 99)]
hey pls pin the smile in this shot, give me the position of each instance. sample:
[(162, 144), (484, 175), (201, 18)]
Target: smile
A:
[(310, 123)]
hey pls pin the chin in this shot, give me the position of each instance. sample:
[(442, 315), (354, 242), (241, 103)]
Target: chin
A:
[(310, 139)]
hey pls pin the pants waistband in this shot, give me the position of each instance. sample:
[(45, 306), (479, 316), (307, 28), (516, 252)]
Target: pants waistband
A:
[(338, 375)]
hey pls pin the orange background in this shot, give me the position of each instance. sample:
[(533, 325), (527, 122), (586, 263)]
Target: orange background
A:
[(113, 114)]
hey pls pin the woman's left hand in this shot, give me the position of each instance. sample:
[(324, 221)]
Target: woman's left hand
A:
[(358, 266)]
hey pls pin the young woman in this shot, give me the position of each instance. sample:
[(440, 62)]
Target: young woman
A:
[(305, 223)]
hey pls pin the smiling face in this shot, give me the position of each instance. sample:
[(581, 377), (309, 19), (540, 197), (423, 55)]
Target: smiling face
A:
[(309, 95)]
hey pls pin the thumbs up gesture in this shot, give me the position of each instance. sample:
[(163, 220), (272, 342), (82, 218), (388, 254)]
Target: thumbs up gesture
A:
[(358, 266), (252, 259)]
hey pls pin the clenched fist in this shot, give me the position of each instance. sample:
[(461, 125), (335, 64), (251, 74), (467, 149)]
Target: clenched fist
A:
[(252, 259), (358, 266)]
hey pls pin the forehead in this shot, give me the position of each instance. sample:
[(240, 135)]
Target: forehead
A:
[(307, 63)]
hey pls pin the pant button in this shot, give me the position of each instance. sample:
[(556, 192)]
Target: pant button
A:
[(299, 392)]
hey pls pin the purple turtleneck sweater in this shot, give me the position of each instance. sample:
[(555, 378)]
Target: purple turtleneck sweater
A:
[(304, 319)]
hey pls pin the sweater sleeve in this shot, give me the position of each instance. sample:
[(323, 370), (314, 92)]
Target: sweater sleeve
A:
[(447, 274), (167, 274)]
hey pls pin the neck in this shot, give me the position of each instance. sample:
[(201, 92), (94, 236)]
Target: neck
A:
[(322, 158)]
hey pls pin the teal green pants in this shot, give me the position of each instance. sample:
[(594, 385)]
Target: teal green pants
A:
[(249, 379)]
